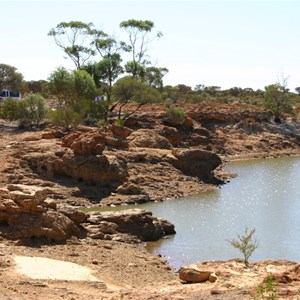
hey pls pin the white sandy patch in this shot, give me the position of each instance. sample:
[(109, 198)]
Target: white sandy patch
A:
[(46, 268)]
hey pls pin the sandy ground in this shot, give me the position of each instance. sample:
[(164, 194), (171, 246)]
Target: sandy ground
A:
[(47, 268)]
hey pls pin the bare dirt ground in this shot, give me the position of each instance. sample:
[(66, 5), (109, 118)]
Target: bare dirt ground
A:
[(128, 272)]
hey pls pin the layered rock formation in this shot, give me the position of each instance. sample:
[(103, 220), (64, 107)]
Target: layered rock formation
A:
[(124, 225), (26, 212)]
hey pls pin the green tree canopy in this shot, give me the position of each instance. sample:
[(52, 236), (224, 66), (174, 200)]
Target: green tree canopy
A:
[(37, 86), (75, 39), (139, 34), (60, 84), (10, 79), (74, 89)]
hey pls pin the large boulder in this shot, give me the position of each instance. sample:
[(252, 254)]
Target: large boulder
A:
[(147, 138), (195, 162), (48, 224), (192, 274)]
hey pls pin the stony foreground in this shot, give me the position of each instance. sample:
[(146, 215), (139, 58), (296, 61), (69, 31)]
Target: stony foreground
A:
[(123, 271)]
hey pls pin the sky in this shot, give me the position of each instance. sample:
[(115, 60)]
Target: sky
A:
[(241, 43)]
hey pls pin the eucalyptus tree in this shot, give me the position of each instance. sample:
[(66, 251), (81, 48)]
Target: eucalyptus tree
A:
[(10, 79), (139, 34), (75, 39), (109, 68)]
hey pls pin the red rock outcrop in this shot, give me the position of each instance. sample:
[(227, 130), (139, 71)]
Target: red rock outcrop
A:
[(85, 144), (24, 213)]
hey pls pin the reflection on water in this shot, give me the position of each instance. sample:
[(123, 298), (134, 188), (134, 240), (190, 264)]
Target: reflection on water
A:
[(265, 195)]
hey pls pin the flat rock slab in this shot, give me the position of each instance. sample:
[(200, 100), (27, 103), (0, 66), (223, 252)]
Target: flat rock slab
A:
[(46, 268)]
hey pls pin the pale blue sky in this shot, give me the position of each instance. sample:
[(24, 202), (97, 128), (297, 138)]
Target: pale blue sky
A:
[(224, 43)]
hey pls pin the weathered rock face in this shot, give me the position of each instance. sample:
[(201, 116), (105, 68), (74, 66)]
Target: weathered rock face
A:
[(134, 222), (73, 214), (98, 169), (104, 170), (224, 114), (24, 213), (196, 162), (137, 164), (147, 138)]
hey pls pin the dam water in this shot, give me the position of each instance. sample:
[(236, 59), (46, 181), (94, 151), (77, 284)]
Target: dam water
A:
[(265, 195)]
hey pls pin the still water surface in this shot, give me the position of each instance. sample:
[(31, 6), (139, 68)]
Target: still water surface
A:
[(265, 195)]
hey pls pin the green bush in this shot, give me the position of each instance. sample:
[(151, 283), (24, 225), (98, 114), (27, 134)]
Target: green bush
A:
[(65, 117), (27, 112), (36, 109), (12, 110), (176, 115)]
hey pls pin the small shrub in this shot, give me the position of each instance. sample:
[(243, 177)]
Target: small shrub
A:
[(245, 244), (267, 289), (12, 110), (176, 115), (27, 112), (36, 109), (65, 117)]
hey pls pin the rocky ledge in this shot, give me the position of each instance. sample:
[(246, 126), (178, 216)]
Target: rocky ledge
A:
[(26, 213)]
